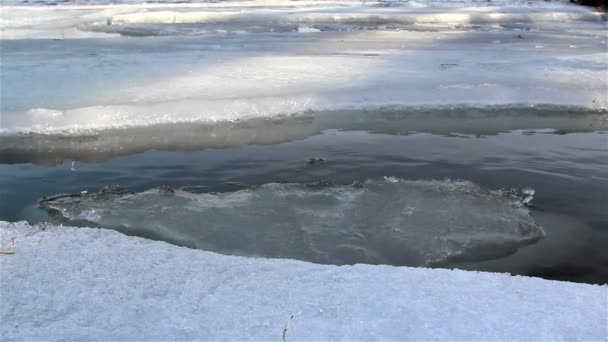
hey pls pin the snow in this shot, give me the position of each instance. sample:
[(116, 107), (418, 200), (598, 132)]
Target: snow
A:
[(80, 283)]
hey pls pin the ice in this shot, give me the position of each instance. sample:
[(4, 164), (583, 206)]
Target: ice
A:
[(343, 17), (126, 66), (88, 78), (308, 29), (80, 283), (357, 16), (87, 145), (391, 221)]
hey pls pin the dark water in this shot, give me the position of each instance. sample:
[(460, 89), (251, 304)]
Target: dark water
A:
[(568, 171), (568, 168)]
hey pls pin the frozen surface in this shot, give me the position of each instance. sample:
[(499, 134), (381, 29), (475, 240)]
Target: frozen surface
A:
[(388, 221), (109, 77), (80, 283), (52, 149), (75, 69)]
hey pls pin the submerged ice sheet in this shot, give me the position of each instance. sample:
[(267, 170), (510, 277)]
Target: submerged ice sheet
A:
[(74, 283), (389, 221)]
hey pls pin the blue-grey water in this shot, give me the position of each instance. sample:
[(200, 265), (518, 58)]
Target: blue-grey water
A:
[(567, 169)]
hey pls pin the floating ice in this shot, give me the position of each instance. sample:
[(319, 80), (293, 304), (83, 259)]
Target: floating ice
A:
[(391, 179), (395, 221), (529, 196)]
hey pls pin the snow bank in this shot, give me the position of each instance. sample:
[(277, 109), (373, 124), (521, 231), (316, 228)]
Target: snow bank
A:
[(80, 283)]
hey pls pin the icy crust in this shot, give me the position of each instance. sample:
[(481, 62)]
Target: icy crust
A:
[(438, 118), (83, 21), (288, 3), (80, 283), (94, 144), (465, 16), (391, 221), (99, 119)]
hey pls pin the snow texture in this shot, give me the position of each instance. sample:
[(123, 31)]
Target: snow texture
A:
[(93, 284)]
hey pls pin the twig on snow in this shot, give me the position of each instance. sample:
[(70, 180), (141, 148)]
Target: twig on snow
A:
[(286, 328)]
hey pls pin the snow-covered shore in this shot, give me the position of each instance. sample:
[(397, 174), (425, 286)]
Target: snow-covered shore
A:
[(66, 283)]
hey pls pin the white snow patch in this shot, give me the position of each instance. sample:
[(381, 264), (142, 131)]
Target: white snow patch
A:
[(81, 283), (308, 29)]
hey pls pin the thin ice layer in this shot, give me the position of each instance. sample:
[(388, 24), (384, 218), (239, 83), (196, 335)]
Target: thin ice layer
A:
[(79, 283), (388, 221)]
